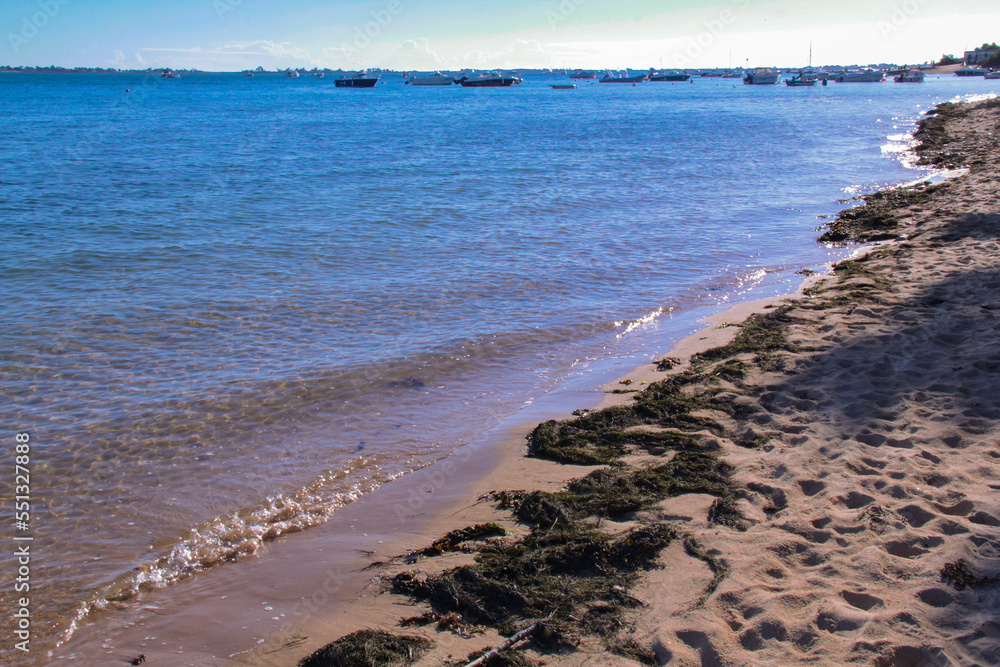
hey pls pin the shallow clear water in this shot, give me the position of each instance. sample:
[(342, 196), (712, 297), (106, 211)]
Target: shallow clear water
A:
[(232, 305)]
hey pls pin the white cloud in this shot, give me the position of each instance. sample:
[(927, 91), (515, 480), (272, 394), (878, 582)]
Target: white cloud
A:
[(279, 50), (416, 54), (528, 53)]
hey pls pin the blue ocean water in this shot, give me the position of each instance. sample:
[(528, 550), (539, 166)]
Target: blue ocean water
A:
[(233, 304)]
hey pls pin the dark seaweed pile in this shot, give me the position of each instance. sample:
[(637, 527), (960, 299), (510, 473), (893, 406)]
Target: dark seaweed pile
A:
[(567, 575)]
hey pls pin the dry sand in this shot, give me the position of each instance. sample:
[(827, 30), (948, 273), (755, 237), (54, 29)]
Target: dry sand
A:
[(877, 463)]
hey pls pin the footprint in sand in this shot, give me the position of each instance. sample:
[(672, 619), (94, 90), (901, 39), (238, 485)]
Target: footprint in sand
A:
[(914, 655), (753, 639), (936, 597), (701, 642), (915, 515), (871, 439), (913, 547), (855, 500), (935, 480), (811, 487), (837, 621), (930, 457), (961, 508), (984, 519), (861, 601), (948, 527)]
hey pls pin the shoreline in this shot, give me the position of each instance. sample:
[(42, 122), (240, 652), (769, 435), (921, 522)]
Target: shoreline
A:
[(764, 504), (485, 464)]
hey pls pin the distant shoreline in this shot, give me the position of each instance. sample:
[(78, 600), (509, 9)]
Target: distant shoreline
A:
[(157, 71)]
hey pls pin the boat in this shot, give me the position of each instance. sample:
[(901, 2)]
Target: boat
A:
[(318, 75), (672, 75), (291, 74), (992, 74), (623, 78), (562, 86), (732, 74), (489, 80), (762, 76), (862, 76), (170, 74), (359, 80), (435, 79), (583, 74), (970, 71), (913, 76), (800, 79), (805, 77)]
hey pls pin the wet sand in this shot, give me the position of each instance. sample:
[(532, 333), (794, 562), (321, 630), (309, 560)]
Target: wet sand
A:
[(864, 453)]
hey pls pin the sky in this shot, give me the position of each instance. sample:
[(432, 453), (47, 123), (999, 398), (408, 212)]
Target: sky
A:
[(234, 35)]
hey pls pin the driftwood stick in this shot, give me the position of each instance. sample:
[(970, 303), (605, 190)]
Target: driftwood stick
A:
[(505, 645)]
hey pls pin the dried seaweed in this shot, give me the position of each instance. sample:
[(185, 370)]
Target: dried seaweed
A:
[(876, 219), (667, 363), (960, 576), (614, 492), (369, 648), (453, 540), (550, 572), (719, 571), (761, 334)]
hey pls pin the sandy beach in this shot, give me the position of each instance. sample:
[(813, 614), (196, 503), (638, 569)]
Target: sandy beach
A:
[(809, 480)]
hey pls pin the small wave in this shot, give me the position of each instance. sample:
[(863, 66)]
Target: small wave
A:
[(978, 97), (238, 535), (635, 324), (903, 147)]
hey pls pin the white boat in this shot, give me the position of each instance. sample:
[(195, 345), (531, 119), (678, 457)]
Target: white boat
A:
[(435, 79), (862, 76), (762, 76), (291, 74), (170, 74), (995, 74), (913, 76), (318, 75)]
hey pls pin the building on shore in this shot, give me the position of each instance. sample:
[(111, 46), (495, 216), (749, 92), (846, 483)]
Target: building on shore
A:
[(981, 54)]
